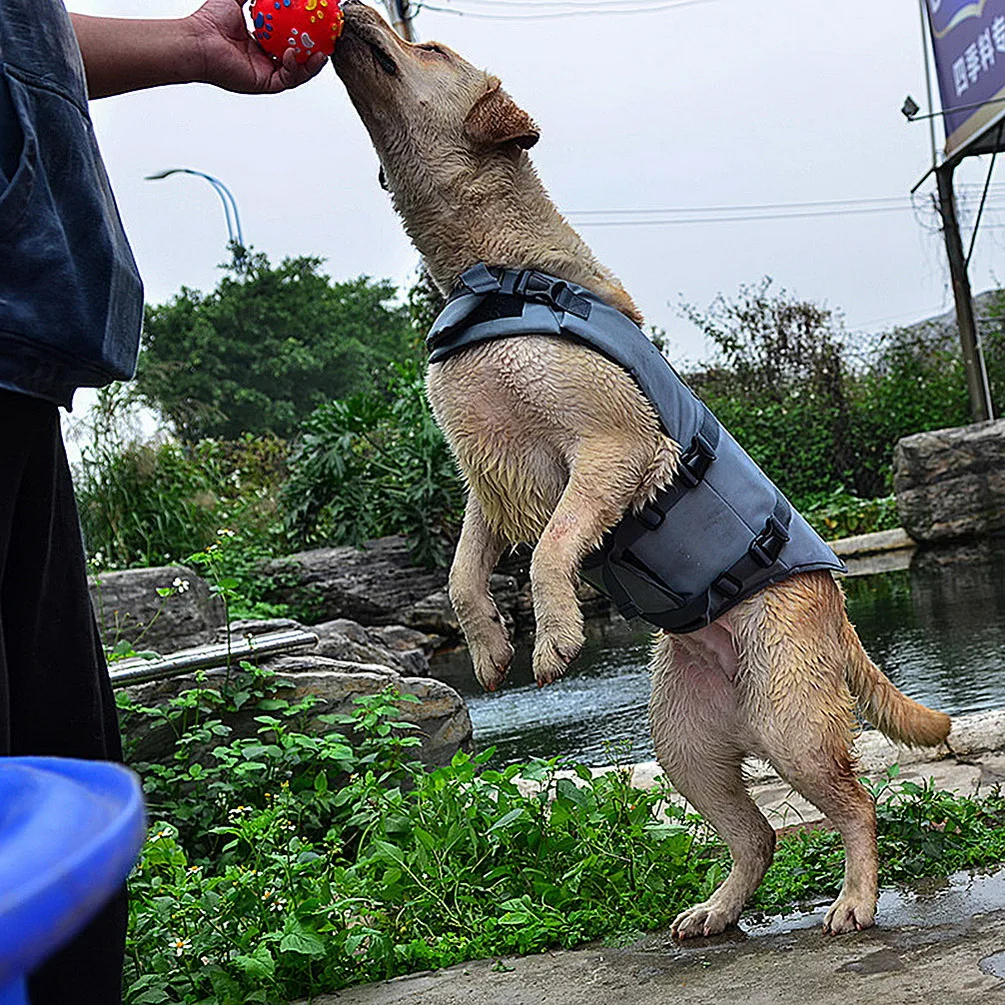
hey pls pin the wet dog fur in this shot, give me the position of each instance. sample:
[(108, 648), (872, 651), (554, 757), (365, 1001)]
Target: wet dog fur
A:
[(557, 443)]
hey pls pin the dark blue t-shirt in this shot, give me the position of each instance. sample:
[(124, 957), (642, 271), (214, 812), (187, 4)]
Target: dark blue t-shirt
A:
[(71, 301)]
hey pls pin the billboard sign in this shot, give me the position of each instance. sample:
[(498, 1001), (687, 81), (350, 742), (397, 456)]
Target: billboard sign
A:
[(968, 37)]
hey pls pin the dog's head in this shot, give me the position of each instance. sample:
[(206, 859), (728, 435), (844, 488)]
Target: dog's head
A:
[(430, 113)]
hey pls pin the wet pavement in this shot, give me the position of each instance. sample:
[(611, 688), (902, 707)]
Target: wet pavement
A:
[(940, 944)]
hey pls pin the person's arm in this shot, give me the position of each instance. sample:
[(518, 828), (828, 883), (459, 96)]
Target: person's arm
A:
[(212, 46)]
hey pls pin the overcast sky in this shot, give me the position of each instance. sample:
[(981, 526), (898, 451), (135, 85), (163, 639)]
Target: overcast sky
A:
[(716, 103)]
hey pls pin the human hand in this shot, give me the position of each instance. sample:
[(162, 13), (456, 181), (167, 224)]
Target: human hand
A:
[(232, 59)]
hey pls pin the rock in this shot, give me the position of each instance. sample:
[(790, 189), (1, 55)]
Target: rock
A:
[(368, 585), (400, 639), (377, 585), (346, 640), (951, 482), (128, 607), (440, 713)]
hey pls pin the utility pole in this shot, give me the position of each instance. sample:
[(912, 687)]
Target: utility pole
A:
[(973, 360), (401, 18)]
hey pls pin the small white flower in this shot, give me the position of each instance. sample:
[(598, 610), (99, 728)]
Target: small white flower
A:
[(181, 585), (179, 945), (226, 532)]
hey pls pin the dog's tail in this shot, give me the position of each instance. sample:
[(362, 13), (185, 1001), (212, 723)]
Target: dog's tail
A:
[(901, 718)]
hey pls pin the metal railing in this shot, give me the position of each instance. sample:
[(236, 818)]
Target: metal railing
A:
[(142, 671)]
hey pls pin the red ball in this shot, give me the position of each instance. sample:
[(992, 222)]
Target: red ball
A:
[(305, 26)]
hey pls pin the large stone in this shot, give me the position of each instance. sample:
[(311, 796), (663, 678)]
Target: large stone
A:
[(129, 608), (441, 715), (951, 482), (370, 585), (395, 646), (376, 585)]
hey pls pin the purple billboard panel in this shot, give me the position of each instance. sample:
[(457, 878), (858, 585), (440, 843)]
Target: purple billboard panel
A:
[(968, 37)]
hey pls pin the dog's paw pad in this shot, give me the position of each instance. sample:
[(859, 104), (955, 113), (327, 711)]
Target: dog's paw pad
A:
[(492, 662)]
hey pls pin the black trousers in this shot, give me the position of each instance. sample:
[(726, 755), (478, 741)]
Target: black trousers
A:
[(55, 698)]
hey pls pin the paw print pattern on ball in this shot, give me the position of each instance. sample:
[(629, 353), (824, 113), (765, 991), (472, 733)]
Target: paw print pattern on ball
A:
[(305, 26)]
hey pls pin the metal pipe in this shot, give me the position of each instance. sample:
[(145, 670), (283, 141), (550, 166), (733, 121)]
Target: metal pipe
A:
[(137, 671), (973, 359), (928, 79)]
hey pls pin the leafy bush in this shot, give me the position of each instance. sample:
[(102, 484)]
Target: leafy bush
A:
[(818, 416), (265, 348), (288, 864), (842, 515), (375, 465)]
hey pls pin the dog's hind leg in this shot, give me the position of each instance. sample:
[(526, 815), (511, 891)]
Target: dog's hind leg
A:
[(478, 550), (802, 711), (604, 478), (700, 744)]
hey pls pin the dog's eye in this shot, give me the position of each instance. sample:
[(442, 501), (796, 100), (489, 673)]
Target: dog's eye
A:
[(432, 47)]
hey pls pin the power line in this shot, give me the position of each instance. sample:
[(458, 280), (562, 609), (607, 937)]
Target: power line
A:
[(586, 11), (746, 218), (684, 215)]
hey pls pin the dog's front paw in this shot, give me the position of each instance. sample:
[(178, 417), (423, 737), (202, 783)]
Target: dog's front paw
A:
[(491, 657), (850, 914), (707, 918), (554, 650)]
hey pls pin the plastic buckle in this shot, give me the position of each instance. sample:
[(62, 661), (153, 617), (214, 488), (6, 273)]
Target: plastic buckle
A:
[(695, 461), (538, 287), (727, 585), (767, 546)]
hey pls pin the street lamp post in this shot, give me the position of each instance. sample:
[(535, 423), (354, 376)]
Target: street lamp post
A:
[(235, 236)]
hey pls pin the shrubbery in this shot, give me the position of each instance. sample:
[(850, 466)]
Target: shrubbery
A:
[(821, 418), (288, 864), (820, 415), (375, 465)]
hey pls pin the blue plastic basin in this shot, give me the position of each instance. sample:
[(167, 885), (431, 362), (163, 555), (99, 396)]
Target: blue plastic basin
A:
[(69, 834)]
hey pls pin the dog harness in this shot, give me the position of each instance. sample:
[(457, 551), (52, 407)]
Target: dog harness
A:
[(720, 531)]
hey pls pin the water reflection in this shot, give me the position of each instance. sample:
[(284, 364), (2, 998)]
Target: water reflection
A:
[(937, 629)]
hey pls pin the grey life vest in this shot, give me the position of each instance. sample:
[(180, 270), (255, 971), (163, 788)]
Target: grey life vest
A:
[(720, 531)]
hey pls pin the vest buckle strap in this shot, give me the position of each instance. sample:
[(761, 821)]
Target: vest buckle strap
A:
[(694, 462), (477, 279), (542, 289), (767, 546), (727, 584)]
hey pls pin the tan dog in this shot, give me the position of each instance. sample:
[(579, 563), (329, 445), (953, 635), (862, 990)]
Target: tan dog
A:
[(557, 443)]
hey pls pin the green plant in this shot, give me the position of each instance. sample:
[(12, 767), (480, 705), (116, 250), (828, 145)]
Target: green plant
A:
[(922, 831), (265, 348), (839, 514), (290, 863), (375, 465)]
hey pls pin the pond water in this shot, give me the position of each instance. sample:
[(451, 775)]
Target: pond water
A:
[(937, 629)]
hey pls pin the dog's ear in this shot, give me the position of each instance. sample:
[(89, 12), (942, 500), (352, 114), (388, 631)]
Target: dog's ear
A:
[(495, 118)]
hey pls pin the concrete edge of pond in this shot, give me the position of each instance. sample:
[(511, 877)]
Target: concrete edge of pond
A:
[(974, 759), (872, 544)]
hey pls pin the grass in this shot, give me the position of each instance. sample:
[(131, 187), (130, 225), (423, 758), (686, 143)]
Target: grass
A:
[(291, 863)]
